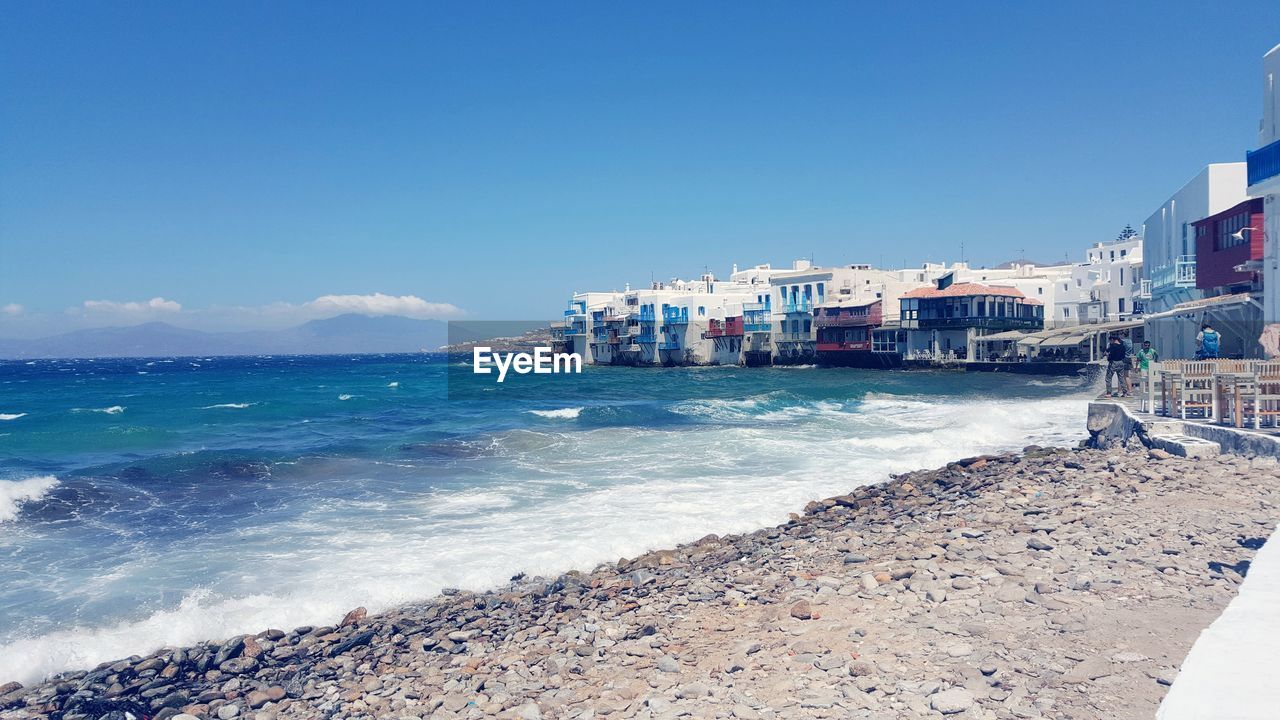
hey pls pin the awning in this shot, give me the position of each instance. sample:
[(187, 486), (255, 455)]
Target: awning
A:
[(1064, 341), (1003, 336), (1075, 334), (1222, 302)]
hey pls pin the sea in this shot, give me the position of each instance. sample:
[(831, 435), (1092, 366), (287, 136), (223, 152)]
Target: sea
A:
[(166, 501)]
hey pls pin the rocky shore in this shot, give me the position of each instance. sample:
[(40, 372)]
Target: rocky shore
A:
[(1052, 583)]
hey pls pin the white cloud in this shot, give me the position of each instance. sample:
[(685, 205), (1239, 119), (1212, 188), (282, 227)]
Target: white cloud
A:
[(154, 306), (379, 304), (13, 309)]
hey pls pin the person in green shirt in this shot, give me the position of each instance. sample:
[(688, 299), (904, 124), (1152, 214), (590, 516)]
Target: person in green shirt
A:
[(1146, 356)]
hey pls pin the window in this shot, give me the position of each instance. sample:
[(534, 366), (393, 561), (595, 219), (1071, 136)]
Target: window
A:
[(702, 311), (1039, 291), (1066, 312)]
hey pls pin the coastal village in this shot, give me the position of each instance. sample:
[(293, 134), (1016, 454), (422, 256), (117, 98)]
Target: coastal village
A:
[(1206, 254)]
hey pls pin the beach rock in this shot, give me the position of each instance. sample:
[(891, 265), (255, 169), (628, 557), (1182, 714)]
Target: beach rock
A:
[(1036, 543), (353, 617), (950, 702), (802, 610)]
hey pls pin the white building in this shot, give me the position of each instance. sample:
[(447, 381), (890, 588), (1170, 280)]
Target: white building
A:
[(1169, 243), (1263, 173), (1106, 287), (666, 323)]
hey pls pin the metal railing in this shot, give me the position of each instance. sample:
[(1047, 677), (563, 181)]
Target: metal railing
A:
[(1263, 163), (802, 305)]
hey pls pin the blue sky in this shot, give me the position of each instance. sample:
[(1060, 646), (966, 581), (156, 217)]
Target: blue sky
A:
[(241, 160)]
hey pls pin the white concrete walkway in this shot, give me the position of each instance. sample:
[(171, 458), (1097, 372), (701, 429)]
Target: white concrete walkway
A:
[(1233, 670)]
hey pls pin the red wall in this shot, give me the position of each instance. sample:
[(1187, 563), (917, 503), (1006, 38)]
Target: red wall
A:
[(1215, 268)]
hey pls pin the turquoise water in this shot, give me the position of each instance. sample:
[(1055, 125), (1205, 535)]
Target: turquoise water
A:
[(166, 501)]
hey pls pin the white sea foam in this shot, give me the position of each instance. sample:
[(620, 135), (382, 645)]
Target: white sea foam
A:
[(553, 501), (230, 406), (393, 384), (15, 492), (568, 413), (345, 397), (113, 410), (11, 416)]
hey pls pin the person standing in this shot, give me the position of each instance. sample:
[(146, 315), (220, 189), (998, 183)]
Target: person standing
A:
[(1146, 356), (1117, 367), (1208, 343)]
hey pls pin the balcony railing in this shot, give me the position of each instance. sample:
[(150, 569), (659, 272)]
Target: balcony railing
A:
[(646, 314), (675, 316), (1004, 323), (669, 346), (758, 327), (1263, 163), (646, 339), (844, 320), (801, 305), (1180, 273), (843, 346), (575, 329)]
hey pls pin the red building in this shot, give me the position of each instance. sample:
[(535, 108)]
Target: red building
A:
[(1229, 250), (729, 327), (845, 330)]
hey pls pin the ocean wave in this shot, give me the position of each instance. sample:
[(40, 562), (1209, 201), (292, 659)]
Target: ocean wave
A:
[(113, 410), (560, 414), (393, 384), (11, 416), (13, 493), (234, 406), (345, 397)]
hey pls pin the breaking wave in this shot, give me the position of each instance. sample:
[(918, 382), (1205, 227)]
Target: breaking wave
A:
[(561, 414), (15, 492)]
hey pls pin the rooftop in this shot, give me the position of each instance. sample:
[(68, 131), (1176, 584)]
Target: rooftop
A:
[(965, 290)]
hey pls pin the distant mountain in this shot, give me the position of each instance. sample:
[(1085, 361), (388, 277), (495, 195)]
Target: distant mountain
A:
[(344, 334)]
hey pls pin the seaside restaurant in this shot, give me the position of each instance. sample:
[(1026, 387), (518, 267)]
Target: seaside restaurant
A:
[(1078, 344)]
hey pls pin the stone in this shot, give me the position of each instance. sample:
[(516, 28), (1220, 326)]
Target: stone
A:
[(1036, 543), (692, 691), (529, 711), (668, 664), (802, 610), (950, 702), (226, 712)]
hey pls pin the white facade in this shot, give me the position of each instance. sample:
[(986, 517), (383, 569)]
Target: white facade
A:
[(1266, 185), (1169, 242), (1106, 287)]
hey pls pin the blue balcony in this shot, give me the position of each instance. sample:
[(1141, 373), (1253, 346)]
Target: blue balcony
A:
[(646, 339), (646, 314), (577, 328), (675, 315), (669, 346), (757, 327), (1264, 163), (799, 305)]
